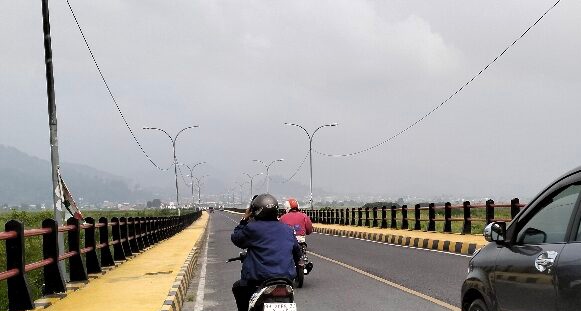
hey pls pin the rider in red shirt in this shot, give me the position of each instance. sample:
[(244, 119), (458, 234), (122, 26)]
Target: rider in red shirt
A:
[(300, 222)]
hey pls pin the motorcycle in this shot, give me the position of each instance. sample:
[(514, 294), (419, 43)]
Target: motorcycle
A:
[(305, 266), (275, 294)]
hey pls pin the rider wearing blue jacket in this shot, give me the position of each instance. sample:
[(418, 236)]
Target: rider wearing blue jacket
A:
[(271, 246)]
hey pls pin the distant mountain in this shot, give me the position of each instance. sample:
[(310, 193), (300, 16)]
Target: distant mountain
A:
[(27, 179)]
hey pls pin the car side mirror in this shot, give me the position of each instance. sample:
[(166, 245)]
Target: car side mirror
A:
[(495, 232)]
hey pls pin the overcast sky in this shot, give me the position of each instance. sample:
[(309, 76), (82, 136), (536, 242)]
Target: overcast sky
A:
[(240, 69)]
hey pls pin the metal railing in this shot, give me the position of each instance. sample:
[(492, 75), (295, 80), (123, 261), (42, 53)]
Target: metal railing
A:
[(399, 219), (129, 236)]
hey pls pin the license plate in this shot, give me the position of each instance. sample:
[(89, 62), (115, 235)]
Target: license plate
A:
[(280, 307)]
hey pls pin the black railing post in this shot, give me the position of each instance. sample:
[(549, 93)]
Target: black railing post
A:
[(125, 237), (106, 257), (367, 217), (54, 281), (489, 211), (404, 217), (152, 230), (431, 217), (393, 224), (131, 236), (118, 253), (514, 208), (138, 235), (467, 229), (342, 216), (417, 215), (384, 217), (448, 217), (353, 216), (93, 265), (19, 297), (77, 270), (337, 217), (347, 221), (359, 217), (374, 214), (144, 233)]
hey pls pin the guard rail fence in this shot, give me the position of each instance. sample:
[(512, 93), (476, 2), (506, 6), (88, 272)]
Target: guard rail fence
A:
[(129, 236)]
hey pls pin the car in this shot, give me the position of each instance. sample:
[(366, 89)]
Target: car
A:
[(211, 209), (534, 263)]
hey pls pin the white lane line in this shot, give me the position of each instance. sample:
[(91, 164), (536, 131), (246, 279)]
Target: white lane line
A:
[(397, 245), (389, 283), (199, 306)]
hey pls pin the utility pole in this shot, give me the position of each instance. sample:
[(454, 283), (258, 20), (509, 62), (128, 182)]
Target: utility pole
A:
[(59, 215)]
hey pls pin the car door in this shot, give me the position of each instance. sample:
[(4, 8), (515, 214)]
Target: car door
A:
[(525, 277), (569, 271)]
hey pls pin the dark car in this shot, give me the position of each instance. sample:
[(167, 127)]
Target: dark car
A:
[(535, 262)]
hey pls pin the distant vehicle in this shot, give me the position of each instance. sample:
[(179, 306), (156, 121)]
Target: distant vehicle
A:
[(221, 208), (211, 209), (535, 263)]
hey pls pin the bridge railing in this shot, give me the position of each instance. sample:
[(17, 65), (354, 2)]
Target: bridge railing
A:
[(127, 236), (423, 218)]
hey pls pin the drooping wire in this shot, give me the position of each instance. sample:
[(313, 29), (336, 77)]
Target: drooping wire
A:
[(297, 170), (110, 92), (447, 99)]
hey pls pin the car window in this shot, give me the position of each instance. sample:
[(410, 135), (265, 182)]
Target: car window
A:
[(550, 221)]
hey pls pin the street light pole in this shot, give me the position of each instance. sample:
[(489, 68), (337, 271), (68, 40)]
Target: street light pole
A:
[(191, 169), (251, 179), (175, 160), (198, 181), (267, 168), (310, 136)]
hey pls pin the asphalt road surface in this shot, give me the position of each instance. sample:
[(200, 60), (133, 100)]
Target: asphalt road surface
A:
[(362, 276)]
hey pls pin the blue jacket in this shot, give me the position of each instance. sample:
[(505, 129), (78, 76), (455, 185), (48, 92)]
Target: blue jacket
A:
[(271, 247)]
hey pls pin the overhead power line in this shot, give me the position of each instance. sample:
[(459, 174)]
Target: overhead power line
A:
[(446, 100), (297, 170), (110, 92)]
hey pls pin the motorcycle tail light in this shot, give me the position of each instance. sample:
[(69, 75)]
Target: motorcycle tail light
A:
[(280, 292)]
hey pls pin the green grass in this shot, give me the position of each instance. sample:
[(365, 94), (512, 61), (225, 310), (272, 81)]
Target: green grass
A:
[(33, 245)]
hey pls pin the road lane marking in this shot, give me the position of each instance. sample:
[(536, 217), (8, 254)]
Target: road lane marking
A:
[(389, 283), (199, 306), (396, 245)]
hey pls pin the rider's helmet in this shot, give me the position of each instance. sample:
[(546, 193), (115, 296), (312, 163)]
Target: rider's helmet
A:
[(264, 207), (291, 204)]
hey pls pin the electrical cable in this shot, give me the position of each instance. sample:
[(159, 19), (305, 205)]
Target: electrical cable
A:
[(446, 100), (297, 170), (111, 93)]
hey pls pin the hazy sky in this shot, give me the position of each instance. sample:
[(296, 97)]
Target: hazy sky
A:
[(240, 69)]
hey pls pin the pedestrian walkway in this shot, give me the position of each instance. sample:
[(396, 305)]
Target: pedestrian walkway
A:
[(154, 280), (448, 242)]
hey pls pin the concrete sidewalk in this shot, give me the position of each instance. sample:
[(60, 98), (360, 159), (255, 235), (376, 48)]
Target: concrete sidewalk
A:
[(156, 279), (448, 242)]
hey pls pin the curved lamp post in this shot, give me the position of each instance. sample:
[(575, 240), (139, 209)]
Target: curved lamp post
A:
[(251, 178), (175, 160), (191, 175), (267, 168), (310, 136), (198, 181)]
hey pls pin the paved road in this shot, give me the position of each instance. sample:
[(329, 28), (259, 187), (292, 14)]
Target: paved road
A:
[(332, 286)]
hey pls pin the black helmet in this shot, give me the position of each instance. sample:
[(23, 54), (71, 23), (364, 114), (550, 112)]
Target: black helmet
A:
[(264, 207)]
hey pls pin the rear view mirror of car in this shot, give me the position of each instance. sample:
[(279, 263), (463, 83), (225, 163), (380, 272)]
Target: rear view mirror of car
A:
[(495, 232)]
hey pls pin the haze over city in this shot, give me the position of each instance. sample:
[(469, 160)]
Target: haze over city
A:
[(241, 70)]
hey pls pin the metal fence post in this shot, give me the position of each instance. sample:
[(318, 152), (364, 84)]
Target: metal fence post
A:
[(106, 257), (337, 216), (131, 236), (54, 281), (125, 237), (19, 297), (93, 265), (374, 214), (342, 216), (359, 217), (353, 216), (77, 270), (383, 217), (448, 217), (514, 208), (417, 215), (404, 217), (144, 233), (393, 224), (467, 229), (118, 253), (432, 217), (489, 211)]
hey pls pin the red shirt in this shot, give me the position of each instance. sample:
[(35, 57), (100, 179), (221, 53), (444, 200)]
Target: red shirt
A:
[(300, 222)]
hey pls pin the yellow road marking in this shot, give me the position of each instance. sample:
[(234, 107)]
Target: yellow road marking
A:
[(392, 284)]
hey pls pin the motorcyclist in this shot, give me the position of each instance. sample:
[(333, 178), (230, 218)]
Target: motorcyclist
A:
[(297, 220), (272, 250)]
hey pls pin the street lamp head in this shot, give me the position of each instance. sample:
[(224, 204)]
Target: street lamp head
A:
[(280, 160), (334, 124)]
